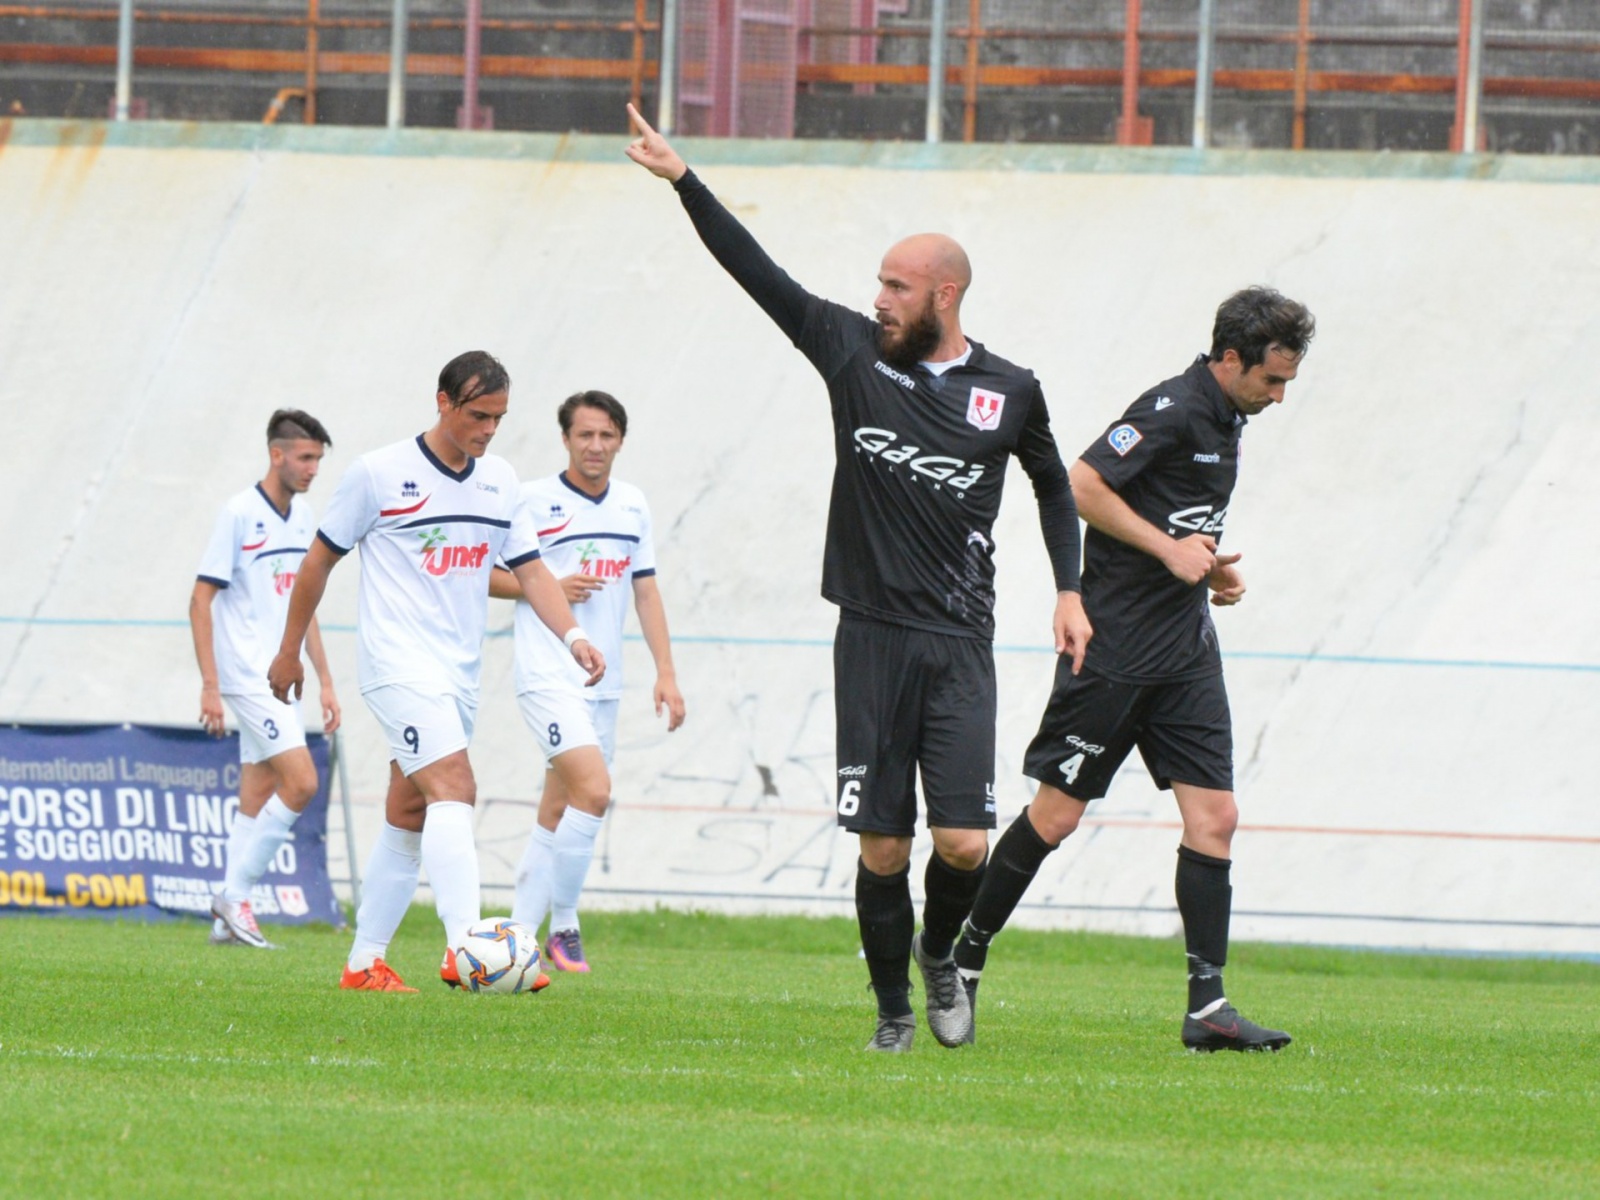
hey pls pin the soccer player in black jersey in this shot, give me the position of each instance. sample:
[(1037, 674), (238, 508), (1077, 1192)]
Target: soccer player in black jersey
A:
[(924, 422), (1154, 491)]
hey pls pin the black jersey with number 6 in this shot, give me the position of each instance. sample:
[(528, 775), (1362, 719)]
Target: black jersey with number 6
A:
[(1173, 458), (920, 459)]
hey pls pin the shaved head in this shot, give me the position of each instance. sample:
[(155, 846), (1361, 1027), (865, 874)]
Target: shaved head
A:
[(923, 279), (936, 256)]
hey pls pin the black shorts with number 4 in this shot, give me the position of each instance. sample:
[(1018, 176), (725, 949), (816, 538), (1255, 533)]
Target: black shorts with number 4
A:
[(906, 699), (1182, 729)]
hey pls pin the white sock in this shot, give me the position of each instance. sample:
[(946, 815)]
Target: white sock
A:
[(273, 825), (240, 836), (574, 847), (532, 901), (386, 890), (451, 859)]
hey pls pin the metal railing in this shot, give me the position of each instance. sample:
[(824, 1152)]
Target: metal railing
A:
[(965, 72)]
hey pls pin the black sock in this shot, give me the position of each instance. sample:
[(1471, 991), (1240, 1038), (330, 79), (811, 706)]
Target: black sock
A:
[(887, 920), (950, 892), (1016, 860), (1205, 901)]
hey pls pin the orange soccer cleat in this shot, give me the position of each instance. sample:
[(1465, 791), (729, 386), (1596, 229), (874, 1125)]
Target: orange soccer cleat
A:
[(379, 977)]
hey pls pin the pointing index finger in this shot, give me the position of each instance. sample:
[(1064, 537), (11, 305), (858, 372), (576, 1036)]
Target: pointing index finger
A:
[(640, 125)]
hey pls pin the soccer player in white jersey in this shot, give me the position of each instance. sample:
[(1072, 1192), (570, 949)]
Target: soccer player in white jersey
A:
[(431, 514), (236, 614), (594, 532)]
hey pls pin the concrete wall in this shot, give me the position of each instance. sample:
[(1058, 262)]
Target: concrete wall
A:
[(1415, 673)]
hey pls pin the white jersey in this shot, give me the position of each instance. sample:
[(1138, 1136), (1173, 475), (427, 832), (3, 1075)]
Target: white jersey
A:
[(606, 535), (253, 556), (429, 537)]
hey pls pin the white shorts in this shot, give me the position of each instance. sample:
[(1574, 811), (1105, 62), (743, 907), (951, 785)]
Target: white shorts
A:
[(421, 728), (266, 728), (563, 720)]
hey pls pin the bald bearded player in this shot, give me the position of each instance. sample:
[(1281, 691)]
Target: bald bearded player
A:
[(924, 421)]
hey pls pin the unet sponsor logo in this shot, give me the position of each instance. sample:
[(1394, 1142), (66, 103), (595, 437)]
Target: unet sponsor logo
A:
[(282, 579), (592, 562), (941, 468), (441, 557)]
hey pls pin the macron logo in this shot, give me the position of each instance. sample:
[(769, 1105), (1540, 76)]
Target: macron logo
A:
[(904, 381)]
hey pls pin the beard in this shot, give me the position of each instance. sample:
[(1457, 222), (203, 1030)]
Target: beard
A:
[(905, 347)]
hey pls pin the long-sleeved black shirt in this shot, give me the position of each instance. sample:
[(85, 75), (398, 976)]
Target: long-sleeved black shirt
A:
[(919, 458)]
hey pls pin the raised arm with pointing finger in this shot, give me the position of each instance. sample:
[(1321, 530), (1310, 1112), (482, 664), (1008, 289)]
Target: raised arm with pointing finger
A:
[(925, 422)]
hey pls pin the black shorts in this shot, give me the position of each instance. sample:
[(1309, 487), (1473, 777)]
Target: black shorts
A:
[(904, 699), (1183, 730)]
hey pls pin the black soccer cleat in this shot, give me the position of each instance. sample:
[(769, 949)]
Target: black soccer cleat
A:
[(1224, 1029)]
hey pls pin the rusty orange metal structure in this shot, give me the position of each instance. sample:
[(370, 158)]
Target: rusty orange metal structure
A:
[(968, 73)]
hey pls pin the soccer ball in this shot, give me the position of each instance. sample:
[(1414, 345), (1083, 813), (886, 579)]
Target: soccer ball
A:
[(498, 955)]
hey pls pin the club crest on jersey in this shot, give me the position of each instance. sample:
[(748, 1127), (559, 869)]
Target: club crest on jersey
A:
[(983, 410), (440, 558), (1124, 438)]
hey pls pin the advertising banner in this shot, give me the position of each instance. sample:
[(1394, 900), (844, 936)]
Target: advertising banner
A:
[(133, 820)]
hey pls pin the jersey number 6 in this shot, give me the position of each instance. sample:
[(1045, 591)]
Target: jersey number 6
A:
[(850, 798)]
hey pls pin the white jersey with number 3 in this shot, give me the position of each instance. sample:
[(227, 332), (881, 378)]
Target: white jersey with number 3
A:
[(607, 536), (429, 537), (253, 556)]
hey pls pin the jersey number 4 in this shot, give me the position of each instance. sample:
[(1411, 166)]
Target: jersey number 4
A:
[(1071, 767)]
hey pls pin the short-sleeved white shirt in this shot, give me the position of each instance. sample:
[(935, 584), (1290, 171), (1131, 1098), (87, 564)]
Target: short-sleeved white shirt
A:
[(429, 537), (253, 556), (606, 535)]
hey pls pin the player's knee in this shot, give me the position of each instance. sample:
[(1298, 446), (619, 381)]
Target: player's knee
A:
[(885, 855), (594, 799), (462, 788), (296, 793), (963, 849), (1054, 815), (1212, 824)]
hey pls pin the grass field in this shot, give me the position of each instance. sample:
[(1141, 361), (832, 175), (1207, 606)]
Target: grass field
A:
[(720, 1056)]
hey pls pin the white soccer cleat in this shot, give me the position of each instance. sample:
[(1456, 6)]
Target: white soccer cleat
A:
[(241, 922)]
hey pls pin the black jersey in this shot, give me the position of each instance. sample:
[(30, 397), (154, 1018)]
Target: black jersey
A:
[(919, 458), (1173, 458)]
